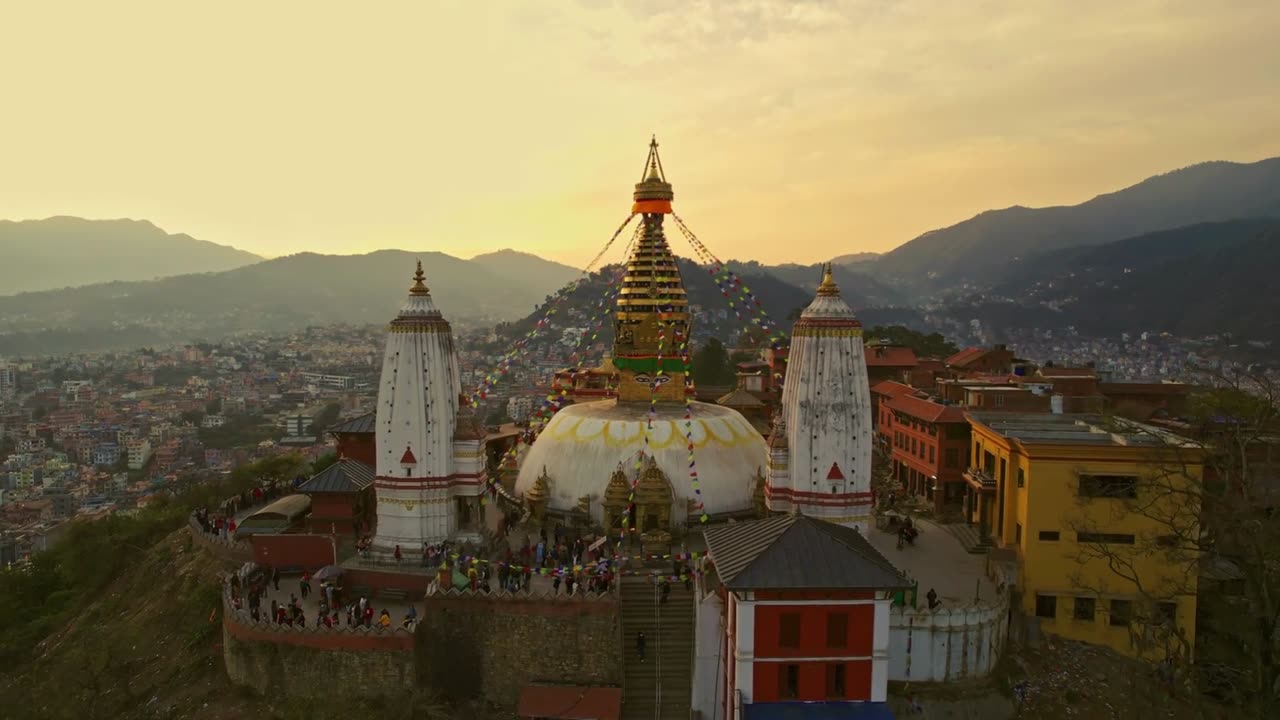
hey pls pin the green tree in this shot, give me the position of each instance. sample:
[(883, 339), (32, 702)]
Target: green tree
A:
[(931, 345), (325, 419), (213, 407), (711, 365), (323, 462)]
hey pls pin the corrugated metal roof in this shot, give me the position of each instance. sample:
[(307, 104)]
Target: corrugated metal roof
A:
[(362, 424), (798, 552), (344, 476)]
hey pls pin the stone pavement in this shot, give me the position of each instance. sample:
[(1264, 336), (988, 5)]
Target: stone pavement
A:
[(938, 561), (290, 584)]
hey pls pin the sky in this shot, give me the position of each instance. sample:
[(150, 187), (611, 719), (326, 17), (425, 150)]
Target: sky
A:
[(792, 131)]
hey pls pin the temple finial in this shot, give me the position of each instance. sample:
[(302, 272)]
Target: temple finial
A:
[(419, 282), (828, 285), (653, 164)]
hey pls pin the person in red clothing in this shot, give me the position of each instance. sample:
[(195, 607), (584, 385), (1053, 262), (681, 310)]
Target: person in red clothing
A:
[(231, 528), (368, 616), (397, 553)]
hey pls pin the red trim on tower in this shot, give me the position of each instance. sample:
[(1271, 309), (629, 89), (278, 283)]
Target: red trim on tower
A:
[(407, 458)]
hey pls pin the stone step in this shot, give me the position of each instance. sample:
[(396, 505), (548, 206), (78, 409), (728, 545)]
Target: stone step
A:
[(970, 538)]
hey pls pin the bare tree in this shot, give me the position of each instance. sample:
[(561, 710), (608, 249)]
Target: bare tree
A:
[(1208, 500)]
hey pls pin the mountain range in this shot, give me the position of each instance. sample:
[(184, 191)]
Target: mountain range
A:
[(68, 251), (1187, 252), (982, 249)]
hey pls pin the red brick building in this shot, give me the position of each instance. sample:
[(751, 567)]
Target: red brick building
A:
[(342, 498), (881, 393), (804, 619), (889, 362), (930, 445), (356, 440), (990, 361)]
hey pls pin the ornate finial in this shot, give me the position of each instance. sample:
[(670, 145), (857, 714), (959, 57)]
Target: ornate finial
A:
[(828, 286), (419, 282)]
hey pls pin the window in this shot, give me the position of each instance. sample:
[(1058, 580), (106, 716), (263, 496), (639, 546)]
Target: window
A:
[(1022, 478), (913, 446), (1105, 538), (789, 681), (1121, 611), (999, 398), (1049, 535), (931, 455), (977, 451), (1017, 533), (789, 630), (1108, 486), (1085, 608), (1046, 606), (951, 457), (837, 630), (1168, 612), (835, 682)]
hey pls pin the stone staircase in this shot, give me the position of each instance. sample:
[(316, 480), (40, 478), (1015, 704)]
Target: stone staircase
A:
[(972, 540), (661, 687)]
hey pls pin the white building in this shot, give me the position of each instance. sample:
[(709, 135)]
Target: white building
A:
[(820, 451), (430, 463), (139, 453), (520, 407), (213, 421)]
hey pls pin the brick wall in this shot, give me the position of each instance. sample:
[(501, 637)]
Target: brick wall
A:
[(310, 552), (471, 645)]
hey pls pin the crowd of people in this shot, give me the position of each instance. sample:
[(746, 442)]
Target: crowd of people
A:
[(221, 521), (249, 588)]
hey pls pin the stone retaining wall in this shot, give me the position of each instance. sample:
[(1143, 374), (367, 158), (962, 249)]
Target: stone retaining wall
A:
[(237, 551), (491, 645)]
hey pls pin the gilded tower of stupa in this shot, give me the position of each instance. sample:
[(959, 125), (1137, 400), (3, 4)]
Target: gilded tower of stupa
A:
[(653, 310), (592, 455)]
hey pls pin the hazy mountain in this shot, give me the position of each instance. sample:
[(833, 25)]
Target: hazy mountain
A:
[(981, 249), (855, 258), (1203, 279), (68, 251), (859, 287), (281, 294)]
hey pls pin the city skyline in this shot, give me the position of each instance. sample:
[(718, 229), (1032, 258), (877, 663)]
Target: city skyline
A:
[(854, 126)]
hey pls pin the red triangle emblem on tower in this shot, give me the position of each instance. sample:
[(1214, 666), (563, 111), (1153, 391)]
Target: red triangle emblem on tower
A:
[(834, 473), (408, 458)]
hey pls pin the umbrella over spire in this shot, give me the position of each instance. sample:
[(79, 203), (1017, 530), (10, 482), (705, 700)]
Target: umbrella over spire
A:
[(653, 193), (419, 282)]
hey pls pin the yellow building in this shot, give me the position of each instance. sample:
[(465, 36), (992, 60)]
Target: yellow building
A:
[(1090, 507)]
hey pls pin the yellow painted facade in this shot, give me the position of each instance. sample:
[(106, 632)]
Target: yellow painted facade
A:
[(1037, 509)]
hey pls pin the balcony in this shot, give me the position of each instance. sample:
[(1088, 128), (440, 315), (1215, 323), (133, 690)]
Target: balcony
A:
[(980, 480)]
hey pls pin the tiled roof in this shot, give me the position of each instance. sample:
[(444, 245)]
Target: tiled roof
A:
[(890, 356), (794, 552), (362, 424), (892, 388), (344, 476), (739, 398), (965, 356), (926, 410)]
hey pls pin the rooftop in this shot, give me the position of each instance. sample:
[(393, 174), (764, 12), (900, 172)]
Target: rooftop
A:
[(926, 410), (1053, 429), (794, 552), (344, 476)]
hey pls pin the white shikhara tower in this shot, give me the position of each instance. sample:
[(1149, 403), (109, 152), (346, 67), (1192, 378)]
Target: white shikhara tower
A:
[(820, 452), (428, 456)]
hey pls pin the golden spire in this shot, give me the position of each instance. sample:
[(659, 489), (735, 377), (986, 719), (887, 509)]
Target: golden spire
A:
[(419, 284), (828, 286)]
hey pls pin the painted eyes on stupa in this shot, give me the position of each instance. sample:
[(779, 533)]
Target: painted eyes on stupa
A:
[(647, 380)]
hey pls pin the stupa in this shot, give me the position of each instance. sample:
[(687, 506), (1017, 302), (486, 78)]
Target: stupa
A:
[(592, 454)]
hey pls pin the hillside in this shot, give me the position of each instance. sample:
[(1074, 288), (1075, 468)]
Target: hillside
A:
[(282, 294), (1204, 279), (68, 251), (981, 249)]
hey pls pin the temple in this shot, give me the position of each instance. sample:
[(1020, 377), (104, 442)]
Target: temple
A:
[(429, 464), (631, 453), (820, 449)]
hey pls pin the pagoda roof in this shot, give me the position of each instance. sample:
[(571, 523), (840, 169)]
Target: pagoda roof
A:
[(344, 476), (794, 552), (739, 398), (362, 424)]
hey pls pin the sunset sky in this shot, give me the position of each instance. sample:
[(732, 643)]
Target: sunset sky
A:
[(792, 131)]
